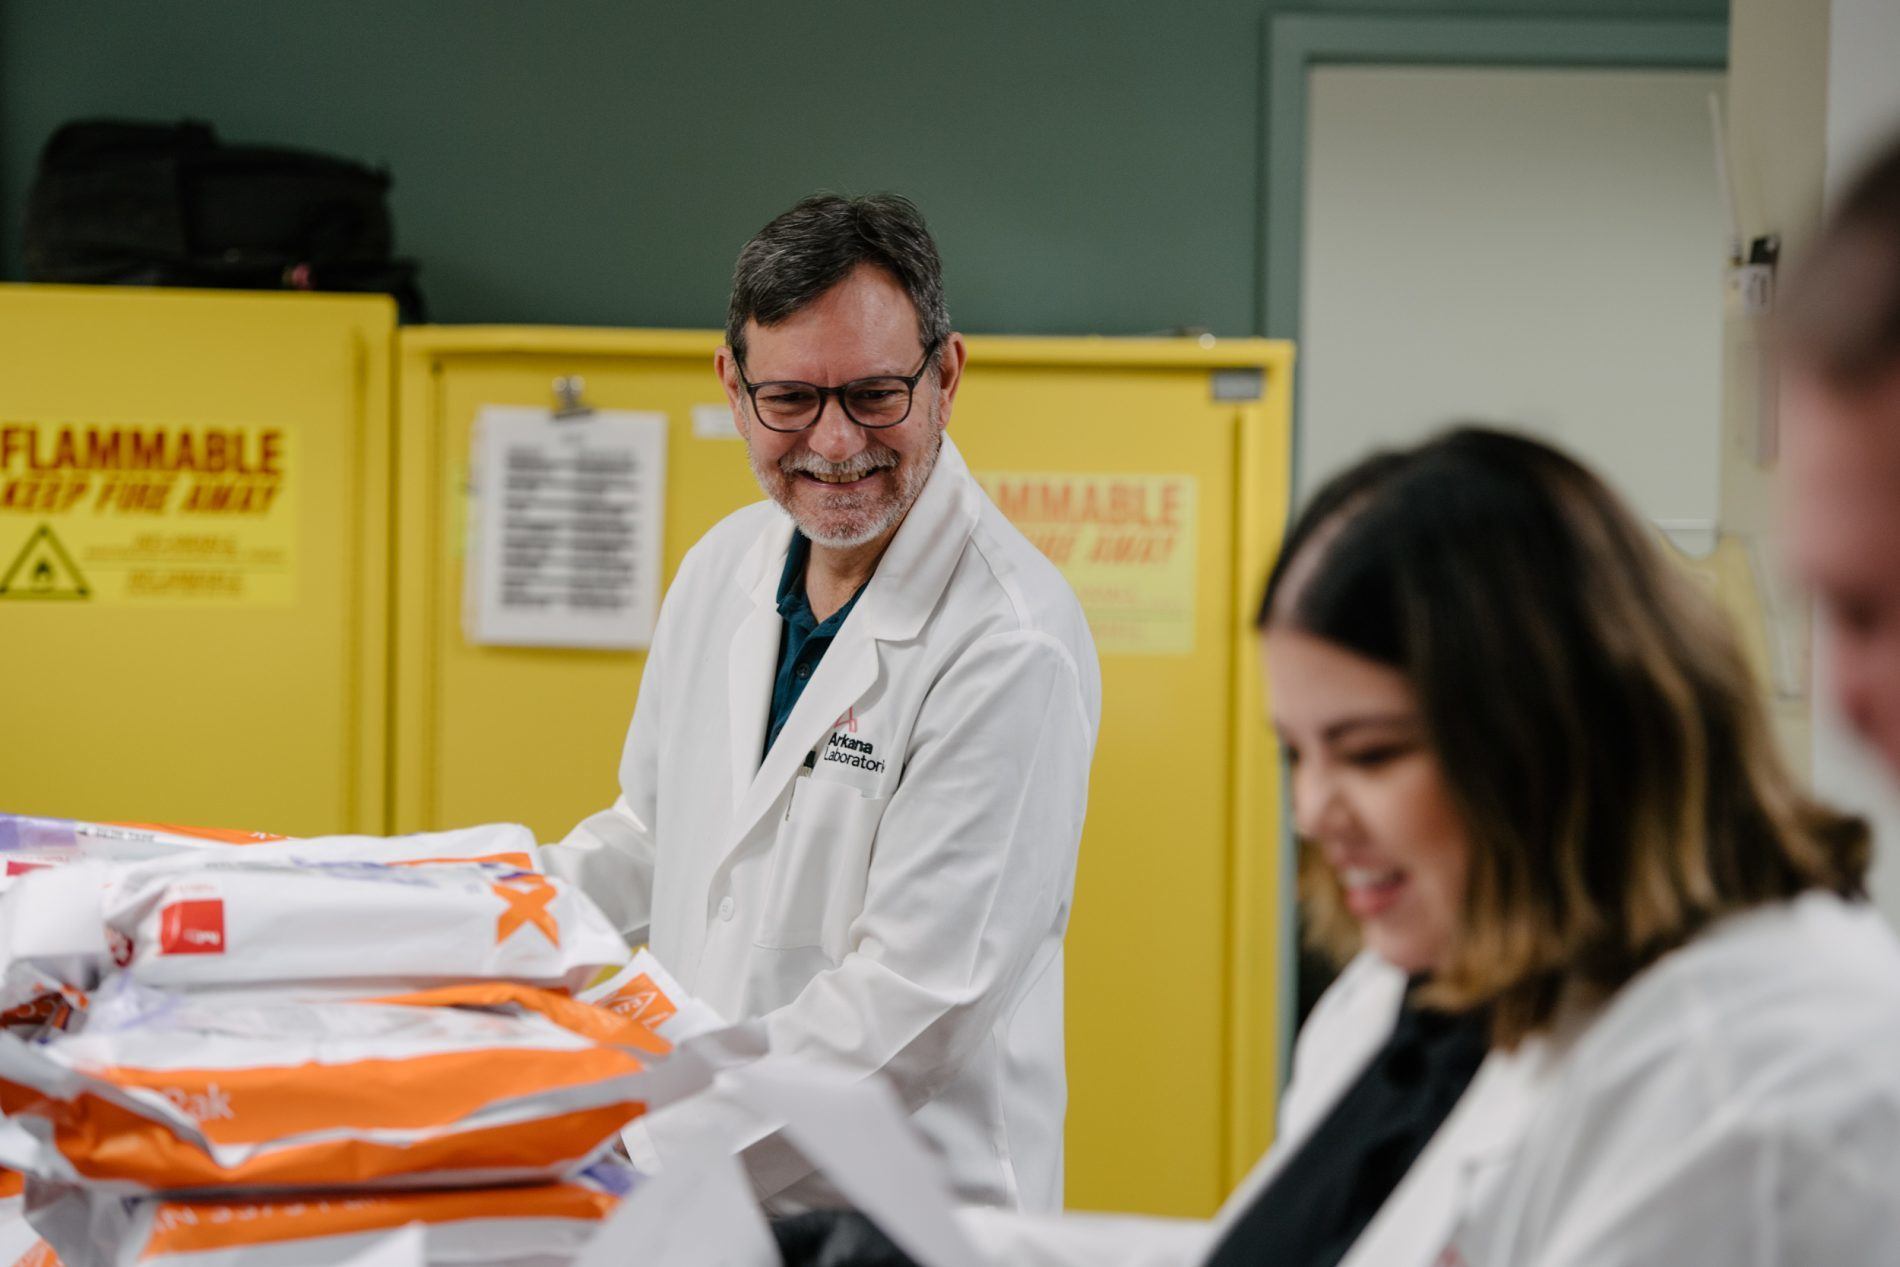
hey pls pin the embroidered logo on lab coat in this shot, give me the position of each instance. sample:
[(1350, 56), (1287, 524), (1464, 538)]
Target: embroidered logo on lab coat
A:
[(848, 751), (851, 755)]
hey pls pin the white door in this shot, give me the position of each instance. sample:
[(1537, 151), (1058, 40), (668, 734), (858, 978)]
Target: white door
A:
[(1541, 248)]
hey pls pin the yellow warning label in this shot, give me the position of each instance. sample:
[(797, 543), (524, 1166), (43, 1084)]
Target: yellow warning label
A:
[(43, 569), (1126, 543), (147, 513)]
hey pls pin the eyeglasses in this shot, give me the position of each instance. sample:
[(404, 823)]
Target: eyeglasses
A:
[(883, 400)]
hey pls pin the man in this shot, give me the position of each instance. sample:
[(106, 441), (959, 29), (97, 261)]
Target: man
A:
[(854, 783), (1841, 332)]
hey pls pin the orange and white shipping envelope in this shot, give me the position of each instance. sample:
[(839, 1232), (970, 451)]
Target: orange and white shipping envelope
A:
[(191, 923), (503, 844), (43, 1006), (27, 842), (174, 1093), (544, 1224), (645, 991)]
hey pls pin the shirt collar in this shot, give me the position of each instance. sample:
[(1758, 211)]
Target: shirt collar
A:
[(911, 576), (794, 604)]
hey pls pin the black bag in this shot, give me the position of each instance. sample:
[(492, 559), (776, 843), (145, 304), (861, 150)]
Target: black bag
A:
[(170, 205)]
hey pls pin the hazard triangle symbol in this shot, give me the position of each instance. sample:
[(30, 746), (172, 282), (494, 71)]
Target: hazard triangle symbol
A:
[(43, 569)]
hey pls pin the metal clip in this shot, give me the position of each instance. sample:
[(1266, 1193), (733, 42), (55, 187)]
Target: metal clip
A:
[(570, 398)]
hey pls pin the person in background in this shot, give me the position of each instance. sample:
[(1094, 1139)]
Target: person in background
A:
[(1840, 335), (1619, 1001), (1588, 839), (854, 783)]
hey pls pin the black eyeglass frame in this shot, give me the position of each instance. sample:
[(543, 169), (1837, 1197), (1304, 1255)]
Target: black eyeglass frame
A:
[(909, 381)]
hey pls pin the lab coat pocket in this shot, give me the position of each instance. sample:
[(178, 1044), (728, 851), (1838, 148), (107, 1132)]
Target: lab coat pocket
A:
[(1473, 1238), (820, 858)]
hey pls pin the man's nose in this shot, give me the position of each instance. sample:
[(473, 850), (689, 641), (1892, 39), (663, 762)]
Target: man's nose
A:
[(834, 437)]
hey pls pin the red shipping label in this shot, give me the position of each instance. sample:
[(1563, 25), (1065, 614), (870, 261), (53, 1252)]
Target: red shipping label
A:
[(192, 928)]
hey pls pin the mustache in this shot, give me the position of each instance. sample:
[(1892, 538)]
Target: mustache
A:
[(853, 468)]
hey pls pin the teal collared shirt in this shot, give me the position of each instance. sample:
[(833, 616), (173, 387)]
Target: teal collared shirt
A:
[(804, 639)]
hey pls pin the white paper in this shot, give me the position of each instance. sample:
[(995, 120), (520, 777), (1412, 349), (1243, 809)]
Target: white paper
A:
[(857, 1134), (565, 517), (714, 422), (701, 1215), (405, 1248)]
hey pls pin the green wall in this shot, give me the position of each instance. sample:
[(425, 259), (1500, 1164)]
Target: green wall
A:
[(1088, 165)]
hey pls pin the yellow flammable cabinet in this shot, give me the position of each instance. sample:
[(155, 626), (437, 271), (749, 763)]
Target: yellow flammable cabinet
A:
[(194, 556), (1155, 473)]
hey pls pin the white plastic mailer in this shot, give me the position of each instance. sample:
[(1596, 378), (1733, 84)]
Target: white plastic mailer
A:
[(196, 923)]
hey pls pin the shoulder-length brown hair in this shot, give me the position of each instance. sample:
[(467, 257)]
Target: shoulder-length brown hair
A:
[(1597, 726)]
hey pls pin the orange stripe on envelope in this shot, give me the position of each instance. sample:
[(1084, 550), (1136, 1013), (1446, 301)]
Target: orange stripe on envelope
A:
[(586, 1019), (520, 861), (187, 1226), (258, 1105), (106, 1142), (220, 835)]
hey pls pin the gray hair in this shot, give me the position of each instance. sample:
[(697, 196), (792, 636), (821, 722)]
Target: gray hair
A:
[(811, 248)]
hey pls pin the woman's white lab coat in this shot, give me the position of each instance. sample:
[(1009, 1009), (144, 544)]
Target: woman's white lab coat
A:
[(1737, 1103)]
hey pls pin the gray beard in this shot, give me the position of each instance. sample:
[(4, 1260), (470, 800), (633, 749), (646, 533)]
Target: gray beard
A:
[(776, 483)]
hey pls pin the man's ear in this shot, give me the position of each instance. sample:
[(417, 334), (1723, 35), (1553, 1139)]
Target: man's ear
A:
[(950, 363), (726, 365)]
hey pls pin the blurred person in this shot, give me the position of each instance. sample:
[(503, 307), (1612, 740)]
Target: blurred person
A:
[(1619, 1001), (853, 787), (1840, 330)]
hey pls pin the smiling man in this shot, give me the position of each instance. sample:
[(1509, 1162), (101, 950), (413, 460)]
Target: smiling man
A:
[(853, 788)]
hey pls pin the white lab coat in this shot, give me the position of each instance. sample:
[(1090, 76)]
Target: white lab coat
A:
[(1737, 1103), (899, 908)]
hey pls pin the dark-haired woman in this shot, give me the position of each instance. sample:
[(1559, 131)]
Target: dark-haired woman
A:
[(1619, 1002)]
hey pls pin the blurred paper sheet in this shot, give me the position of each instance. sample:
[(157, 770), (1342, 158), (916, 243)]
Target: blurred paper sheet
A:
[(702, 1215), (857, 1134), (565, 516), (406, 1248)]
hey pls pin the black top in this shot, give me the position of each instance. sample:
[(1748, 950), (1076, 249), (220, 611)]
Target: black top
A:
[(1310, 1214)]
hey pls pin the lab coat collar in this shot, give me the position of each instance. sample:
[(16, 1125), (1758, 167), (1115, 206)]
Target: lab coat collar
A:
[(900, 596), (915, 568), (753, 654), (1469, 1153), (911, 576)]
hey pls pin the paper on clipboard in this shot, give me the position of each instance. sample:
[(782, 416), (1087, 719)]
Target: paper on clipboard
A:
[(565, 517)]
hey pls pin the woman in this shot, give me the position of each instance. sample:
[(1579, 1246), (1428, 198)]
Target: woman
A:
[(1619, 1001)]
